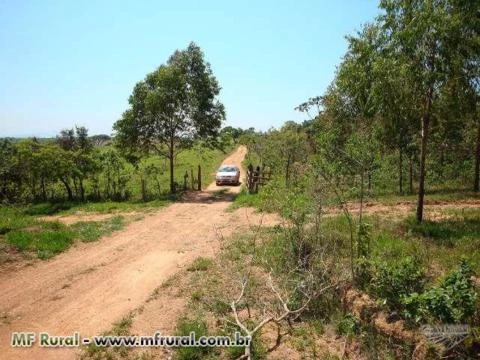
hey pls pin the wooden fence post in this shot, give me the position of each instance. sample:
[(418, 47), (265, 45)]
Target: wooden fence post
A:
[(250, 178), (199, 178), (144, 190), (185, 177), (191, 179)]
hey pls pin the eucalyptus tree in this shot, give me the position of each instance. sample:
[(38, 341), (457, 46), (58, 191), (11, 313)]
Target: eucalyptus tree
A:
[(418, 34), (355, 80), (173, 106), (467, 49)]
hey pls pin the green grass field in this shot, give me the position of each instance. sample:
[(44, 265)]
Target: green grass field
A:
[(30, 236)]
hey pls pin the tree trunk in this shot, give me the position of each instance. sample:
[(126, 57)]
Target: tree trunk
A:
[(144, 190), (107, 187), (360, 214), (191, 179), (199, 178), (476, 182), (34, 188), (68, 188), (44, 192), (75, 186), (171, 158), (410, 175), (82, 189), (423, 154), (159, 188), (4, 187), (442, 159), (400, 171)]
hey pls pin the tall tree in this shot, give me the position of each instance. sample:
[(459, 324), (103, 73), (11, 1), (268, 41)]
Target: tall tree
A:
[(171, 107), (418, 32)]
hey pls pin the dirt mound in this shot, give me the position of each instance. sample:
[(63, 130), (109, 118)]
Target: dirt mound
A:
[(367, 310)]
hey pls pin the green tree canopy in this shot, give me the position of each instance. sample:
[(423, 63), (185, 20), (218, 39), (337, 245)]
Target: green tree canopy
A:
[(173, 106)]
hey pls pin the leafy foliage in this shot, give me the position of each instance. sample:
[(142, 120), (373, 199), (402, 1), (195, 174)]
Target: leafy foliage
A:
[(170, 108), (391, 282), (452, 301)]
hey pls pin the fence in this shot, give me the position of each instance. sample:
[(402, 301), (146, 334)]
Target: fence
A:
[(256, 177), (195, 183)]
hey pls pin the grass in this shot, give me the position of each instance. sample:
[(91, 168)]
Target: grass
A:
[(185, 326), (66, 208), (441, 243), (245, 199), (122, 327), (29, 235), (11, 218), (441, 195), (88, 231), (200, 264), (209, 292), (45, 239), (119, 328)]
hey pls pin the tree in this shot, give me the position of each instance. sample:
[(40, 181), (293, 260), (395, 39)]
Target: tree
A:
[(418, 36), (8, 170), (396, 107), (78, 151), (173, 106)]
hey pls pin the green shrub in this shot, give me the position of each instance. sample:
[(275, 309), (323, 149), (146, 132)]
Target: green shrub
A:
[(452, 301), (47, 208), (364, 272), (393, 281), (348, 325)]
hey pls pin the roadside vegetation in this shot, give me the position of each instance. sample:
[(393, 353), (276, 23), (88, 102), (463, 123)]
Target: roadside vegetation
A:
[(379, 188), (25, 236), (25, 229)]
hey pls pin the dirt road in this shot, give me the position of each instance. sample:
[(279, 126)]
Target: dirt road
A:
[(91, 286)]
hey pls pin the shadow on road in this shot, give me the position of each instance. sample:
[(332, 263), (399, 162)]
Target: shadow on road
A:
[(223, 194)]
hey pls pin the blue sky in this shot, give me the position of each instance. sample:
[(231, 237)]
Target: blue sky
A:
[(75, 62)]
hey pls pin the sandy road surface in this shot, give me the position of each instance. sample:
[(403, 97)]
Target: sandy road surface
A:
[(91, 286)]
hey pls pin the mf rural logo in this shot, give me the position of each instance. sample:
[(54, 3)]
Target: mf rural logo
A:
[(451, 335)]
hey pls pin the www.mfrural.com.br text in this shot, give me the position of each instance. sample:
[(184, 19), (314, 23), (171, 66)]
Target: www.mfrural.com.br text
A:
[(44, 339)]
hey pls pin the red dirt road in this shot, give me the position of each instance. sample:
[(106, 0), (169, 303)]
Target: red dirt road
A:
[(91, 286)]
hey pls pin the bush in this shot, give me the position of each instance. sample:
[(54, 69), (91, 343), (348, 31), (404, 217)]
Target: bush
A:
[(348, 325), (452, 301), (391, 282), (47, 208)]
